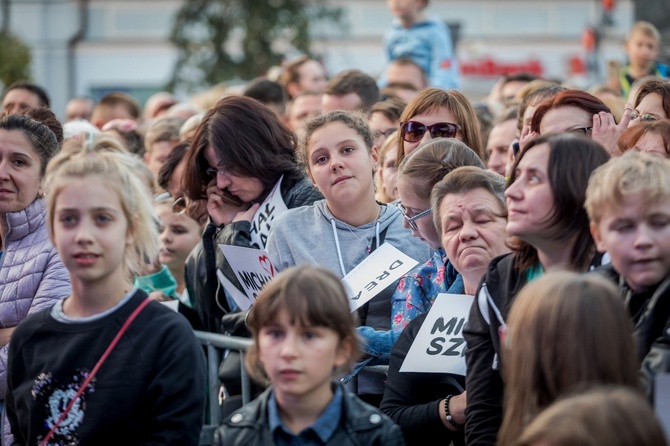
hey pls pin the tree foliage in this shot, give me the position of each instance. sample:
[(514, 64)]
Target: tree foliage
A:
[(15, 59), (220, 40)]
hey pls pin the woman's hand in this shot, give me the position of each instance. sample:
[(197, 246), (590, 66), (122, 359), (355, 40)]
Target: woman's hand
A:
[(247, 215), (457, 405), (219, 211), (5, 335), (525, 138), (607, 132)]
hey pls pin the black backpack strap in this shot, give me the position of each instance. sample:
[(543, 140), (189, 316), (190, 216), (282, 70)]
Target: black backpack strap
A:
[(373, 242)]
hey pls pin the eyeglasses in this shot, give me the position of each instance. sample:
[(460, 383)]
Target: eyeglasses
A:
[(179, 206), (411, 221), (214, 171), (582, 130), (643, 117), (390, 131), (413, 131)]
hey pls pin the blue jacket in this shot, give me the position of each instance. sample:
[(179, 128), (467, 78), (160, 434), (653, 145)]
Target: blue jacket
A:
[(428, 44)]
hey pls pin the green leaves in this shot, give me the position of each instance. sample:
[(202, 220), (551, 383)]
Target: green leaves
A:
[(224, 40), (15, 59)]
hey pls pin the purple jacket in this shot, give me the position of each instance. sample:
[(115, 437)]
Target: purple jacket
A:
[(32, 276)]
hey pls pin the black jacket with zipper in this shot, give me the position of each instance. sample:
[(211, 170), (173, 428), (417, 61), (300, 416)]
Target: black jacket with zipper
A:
[(651, 324), (493, 300)]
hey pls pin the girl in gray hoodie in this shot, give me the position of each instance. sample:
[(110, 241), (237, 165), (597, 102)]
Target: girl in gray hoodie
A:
[(343, 229)]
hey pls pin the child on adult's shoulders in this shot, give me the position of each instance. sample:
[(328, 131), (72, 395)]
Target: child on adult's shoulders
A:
[(641, 47), (426, 41)]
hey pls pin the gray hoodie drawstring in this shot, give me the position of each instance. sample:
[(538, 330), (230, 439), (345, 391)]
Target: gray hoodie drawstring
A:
[(337, 243)]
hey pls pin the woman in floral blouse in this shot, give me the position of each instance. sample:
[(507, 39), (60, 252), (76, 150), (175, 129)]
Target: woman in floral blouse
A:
[(417, 174)]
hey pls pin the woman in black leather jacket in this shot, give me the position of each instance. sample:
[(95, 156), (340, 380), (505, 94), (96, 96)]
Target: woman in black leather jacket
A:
[(240, 152)]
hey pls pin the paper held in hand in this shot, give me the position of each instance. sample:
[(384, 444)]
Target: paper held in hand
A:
[(253, 270), (242, 300), (384, 266), (272, 206), (439, 347)]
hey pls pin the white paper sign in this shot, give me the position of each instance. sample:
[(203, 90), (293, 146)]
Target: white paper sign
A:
[(269, 210), (384, 266), (241, 299), (439, 347), (172, 304), (252, 267), (662, 400)]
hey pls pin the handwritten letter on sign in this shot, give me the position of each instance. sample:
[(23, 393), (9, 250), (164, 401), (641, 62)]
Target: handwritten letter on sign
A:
[(269, 210), (243, 301), (380, 269), (439, 347), (252, 268)]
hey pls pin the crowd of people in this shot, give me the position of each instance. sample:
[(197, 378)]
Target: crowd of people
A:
[(548, 205)]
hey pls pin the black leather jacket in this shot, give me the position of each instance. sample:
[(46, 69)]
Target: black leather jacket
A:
[(502, 282), (361, 425), (202, 263), (652, 329)]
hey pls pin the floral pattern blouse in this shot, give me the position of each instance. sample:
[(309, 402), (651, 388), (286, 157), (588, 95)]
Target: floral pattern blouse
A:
[(418, 289)]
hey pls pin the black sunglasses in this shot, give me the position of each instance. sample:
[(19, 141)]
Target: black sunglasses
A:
[(413, 131)]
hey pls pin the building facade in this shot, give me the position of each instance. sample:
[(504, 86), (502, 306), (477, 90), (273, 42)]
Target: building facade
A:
[(89, 47)]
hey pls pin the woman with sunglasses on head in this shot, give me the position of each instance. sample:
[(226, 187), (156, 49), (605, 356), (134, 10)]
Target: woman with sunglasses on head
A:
[(546, 217), (436, 113), (240, 151), (342, 230), (579, 112)]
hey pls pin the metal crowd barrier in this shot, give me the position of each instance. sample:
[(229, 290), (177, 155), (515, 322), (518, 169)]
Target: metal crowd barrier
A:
[(215, 344)]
